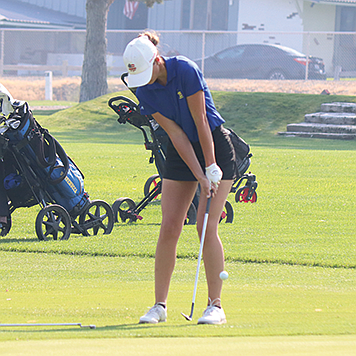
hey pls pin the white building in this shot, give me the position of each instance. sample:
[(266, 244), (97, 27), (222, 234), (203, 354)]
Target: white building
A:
[(293, 23)]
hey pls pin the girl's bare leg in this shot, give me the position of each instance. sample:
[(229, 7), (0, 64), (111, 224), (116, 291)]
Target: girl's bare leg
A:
[(176, 199), (213, 253)]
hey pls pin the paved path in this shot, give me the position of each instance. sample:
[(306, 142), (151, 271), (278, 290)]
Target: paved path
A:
[(38, 108)]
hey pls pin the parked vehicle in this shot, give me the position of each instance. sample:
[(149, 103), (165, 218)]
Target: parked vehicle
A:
[(262, 61)]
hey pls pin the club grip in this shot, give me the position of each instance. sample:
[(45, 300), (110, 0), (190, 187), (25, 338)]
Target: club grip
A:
[(208, 205)]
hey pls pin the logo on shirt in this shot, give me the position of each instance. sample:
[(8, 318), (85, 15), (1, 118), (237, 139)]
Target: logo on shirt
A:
[(180, 95), (132, 67)]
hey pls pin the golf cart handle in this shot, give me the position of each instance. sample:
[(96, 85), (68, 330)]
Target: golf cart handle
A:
[(134, 110), (123, 76), (122, 98)]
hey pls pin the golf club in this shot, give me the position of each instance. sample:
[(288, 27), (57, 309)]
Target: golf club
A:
[(206, 216), (50, 324)]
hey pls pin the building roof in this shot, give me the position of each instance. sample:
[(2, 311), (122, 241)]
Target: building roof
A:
[(16, 14), (335, 2)]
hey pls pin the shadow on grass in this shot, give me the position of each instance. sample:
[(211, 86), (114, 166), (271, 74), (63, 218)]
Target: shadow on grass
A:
[(130, 224), (282, 142), (46, 111), (84, 329), (17, 240), (128, 135), (95, 136), (138, 326)]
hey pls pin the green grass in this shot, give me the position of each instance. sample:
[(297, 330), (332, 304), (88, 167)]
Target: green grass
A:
[(304, 214), (112, 293), (259, 114), (291, 256), (252, 115), (252, 346)]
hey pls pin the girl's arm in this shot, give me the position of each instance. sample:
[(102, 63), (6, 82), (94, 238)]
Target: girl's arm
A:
[(184, 148), (196, 104)]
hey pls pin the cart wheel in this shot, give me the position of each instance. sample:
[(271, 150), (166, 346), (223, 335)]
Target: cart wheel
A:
[(241, 196), (191, 218), (53, 221), (122, 207), (228, 213), (151, 183), (6, 228), (97, 216)]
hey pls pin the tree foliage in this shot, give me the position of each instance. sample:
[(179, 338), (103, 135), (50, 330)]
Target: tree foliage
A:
[(150, 3)]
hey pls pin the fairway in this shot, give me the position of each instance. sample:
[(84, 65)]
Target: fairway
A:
[(251, 346), (291, 257), (113, 292)]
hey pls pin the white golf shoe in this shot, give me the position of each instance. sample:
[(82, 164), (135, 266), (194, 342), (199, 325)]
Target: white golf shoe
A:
[(157, 314), (213, 315)]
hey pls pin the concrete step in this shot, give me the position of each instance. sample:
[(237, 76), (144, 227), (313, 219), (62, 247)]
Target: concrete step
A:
[(331, 118), (315, 127), (339, 107), (336, 120), (339, 136)]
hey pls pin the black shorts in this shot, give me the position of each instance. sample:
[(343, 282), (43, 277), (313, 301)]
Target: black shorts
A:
[(176, 169)]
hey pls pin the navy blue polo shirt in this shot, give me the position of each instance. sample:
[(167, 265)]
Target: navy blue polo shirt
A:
[(184, 78)]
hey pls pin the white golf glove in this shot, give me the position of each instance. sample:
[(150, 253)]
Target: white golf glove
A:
[(213, 173)]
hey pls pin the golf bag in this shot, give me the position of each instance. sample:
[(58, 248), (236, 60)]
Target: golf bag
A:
[(242, 154), (46, 157), (37, 170)]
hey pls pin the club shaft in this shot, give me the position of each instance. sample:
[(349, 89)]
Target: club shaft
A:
[(202, 239), (47, 324)]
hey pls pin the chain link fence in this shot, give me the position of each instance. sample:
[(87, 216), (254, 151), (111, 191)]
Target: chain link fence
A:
[(220, 54)]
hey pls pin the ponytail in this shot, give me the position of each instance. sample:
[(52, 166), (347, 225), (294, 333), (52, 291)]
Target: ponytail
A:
[(152, 36)]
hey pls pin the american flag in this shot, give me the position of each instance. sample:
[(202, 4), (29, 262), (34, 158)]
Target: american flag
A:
[(130, 8)]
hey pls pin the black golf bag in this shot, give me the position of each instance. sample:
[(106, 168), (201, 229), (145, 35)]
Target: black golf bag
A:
[(36, 170)]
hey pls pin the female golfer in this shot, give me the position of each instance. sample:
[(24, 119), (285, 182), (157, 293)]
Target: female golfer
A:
[(174, 92)]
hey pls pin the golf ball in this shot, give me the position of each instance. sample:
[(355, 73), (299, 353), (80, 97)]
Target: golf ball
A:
[(224, 275)]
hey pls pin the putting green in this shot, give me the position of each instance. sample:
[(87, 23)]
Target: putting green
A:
[(112, 293), (251, 346)]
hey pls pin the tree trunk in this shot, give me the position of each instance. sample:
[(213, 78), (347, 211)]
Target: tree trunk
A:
[(94, 71)]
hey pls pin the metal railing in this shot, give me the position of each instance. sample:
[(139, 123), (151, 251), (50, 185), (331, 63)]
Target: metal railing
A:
[(33, 52)]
